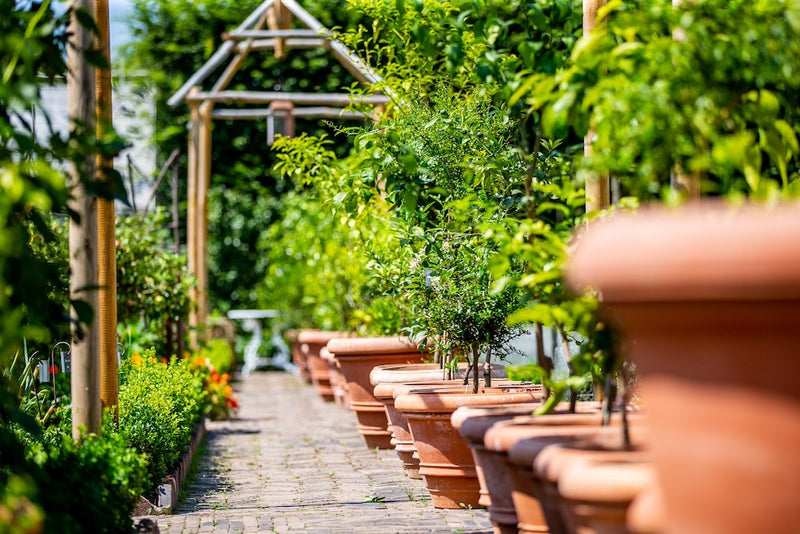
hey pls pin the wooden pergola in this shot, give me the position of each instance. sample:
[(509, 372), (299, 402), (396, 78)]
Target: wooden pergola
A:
[(267, 28)]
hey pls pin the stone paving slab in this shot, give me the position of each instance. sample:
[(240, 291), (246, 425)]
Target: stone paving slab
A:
[(291, 463)]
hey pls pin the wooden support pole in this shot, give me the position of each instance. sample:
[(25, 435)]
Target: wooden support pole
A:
[(106, 228), (687, 183), (598, 192), (191, 213), (85, 376), (204, 184)]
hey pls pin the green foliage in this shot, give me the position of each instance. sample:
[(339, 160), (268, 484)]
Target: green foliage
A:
[(96, 482), (219, 354), (170, 41), (687, 89), (152, 283), (160, 403)]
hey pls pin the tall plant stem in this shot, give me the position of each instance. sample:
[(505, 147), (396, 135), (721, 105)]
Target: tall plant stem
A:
[(487, 368), (475, 363)]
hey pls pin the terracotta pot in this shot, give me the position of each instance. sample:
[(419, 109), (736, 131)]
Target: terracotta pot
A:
[(445, 459), (386, 378), (418, 373), (526, 435), (311, 342), (298, 357), (646, 512), (709, 301), (338, 382), (593, 480), (356, 357), (472, 424)]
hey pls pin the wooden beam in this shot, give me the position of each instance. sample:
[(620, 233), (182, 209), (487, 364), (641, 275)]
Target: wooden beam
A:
[(309, 99), (242, 52), (598, 190), (291, 43), (219, 56), (318, 112), (269, 34), (348, 60), (87, 410)]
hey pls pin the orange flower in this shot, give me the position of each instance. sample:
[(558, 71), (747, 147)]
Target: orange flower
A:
[(136, 359), (226, 377), (228, 391), (163, 360)]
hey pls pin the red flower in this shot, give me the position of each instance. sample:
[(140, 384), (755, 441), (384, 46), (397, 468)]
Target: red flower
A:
[(232, 403), (53, 369)]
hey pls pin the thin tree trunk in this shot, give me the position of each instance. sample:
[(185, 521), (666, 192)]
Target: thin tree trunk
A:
[(487, 368), (476, 347)]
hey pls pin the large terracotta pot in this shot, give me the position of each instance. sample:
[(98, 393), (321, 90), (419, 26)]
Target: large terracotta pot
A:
[(445, 459), (311, 342), (592, 480), (709, 302), (526, 436), (472, 423), (356, 358), (385, 378), (338, 382), (298, 357)]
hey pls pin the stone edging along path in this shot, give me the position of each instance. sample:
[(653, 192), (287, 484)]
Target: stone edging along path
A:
[(291, 463)]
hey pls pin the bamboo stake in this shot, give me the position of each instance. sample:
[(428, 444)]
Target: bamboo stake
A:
[(85, 375), (598, 192), (106, 245)]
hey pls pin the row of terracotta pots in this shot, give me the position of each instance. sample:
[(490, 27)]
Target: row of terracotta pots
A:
[(708, 302)]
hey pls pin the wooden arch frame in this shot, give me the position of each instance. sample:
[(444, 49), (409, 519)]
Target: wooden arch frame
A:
[(268, 27)]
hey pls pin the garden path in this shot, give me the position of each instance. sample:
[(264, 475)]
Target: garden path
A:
[(291, 463)]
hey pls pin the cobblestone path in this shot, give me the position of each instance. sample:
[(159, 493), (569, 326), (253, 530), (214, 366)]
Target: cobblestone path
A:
[(292, 463)]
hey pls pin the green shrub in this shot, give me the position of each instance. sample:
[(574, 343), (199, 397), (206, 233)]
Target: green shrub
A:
[(219, 354), (160, 403), (95, 483)]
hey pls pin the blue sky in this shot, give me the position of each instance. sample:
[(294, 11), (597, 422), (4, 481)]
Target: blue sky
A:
[(119, 12)]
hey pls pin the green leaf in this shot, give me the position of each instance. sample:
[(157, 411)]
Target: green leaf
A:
[(83, 310)]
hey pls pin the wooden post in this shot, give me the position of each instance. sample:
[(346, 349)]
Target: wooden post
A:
[(106, 244), (204, 184), (598, 193), (279, 18), (191, 212), (85, 375), (680, 180)]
